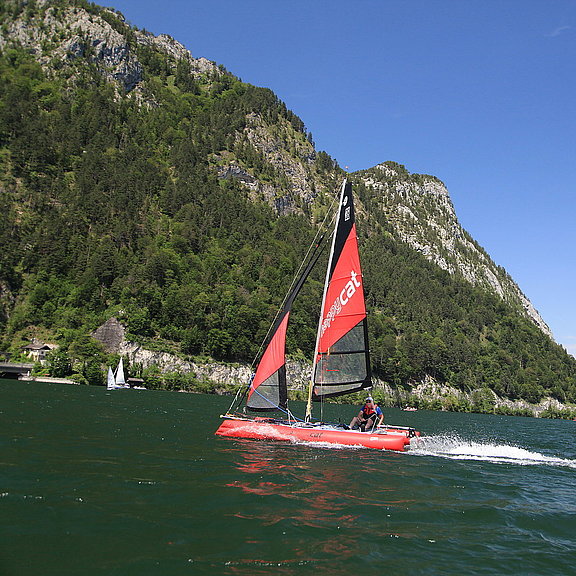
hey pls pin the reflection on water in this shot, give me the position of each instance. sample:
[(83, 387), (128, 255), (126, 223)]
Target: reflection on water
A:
[(324, 503), (306, 505)]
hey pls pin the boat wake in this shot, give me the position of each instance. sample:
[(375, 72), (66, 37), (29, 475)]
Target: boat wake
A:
[(456, 448)]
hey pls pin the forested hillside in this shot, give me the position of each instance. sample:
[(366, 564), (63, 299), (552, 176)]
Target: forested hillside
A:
[(181, 200)]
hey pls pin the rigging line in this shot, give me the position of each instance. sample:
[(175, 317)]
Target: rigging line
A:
[(286, 308), (314, 245), (242, 392), (237, 398), (275, 406), (313, 252)]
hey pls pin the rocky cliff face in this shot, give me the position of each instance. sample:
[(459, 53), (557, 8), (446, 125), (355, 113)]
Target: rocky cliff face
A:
[(112, 334), (58, 36), (290, 153), (421, 212), (287, 153)]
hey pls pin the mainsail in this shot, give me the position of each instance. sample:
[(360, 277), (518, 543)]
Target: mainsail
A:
[(342, 358), (110, 382), (342, 362)]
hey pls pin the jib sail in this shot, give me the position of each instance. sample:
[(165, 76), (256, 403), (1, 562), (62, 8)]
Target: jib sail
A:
[(268, 390)]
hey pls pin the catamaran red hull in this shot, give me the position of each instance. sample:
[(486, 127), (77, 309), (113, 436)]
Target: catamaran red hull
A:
[(384, 439)]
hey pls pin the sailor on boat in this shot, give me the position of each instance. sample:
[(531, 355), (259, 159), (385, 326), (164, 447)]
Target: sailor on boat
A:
[(366, 419)]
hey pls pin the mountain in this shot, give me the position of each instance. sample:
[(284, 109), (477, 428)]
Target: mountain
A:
[(422, 214), (140, 183)]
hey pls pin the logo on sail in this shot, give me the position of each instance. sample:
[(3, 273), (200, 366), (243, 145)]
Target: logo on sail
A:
[(341, 300)]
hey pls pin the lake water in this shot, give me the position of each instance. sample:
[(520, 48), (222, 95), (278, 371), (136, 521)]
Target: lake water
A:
[(134, 482)]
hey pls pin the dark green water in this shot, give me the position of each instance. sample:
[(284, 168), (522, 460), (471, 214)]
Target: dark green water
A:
[(135, 483)]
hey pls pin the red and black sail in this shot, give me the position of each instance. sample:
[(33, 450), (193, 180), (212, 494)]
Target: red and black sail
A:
[(342, 358), (268, 390)]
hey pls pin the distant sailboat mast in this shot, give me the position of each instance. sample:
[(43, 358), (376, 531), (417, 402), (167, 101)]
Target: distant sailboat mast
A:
[(110, 379), (120, 379)]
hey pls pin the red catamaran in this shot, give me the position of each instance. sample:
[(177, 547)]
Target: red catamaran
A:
[(341, 358)]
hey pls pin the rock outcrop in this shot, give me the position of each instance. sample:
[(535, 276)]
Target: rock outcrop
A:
[(111, 334), (58, 36), (443, 396)]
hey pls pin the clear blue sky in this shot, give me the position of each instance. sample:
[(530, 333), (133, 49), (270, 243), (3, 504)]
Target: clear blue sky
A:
[(480, 93)]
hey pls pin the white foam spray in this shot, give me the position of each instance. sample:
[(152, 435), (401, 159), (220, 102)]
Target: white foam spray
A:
[(456, 448)]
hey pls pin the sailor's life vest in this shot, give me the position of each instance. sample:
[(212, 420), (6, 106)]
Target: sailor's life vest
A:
[(367, 411)]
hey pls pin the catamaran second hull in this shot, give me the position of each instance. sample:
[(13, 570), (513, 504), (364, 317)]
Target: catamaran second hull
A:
[(392, 438)]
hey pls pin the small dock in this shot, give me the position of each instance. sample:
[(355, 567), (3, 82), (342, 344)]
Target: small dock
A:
[(16, 370), (22, 370)]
